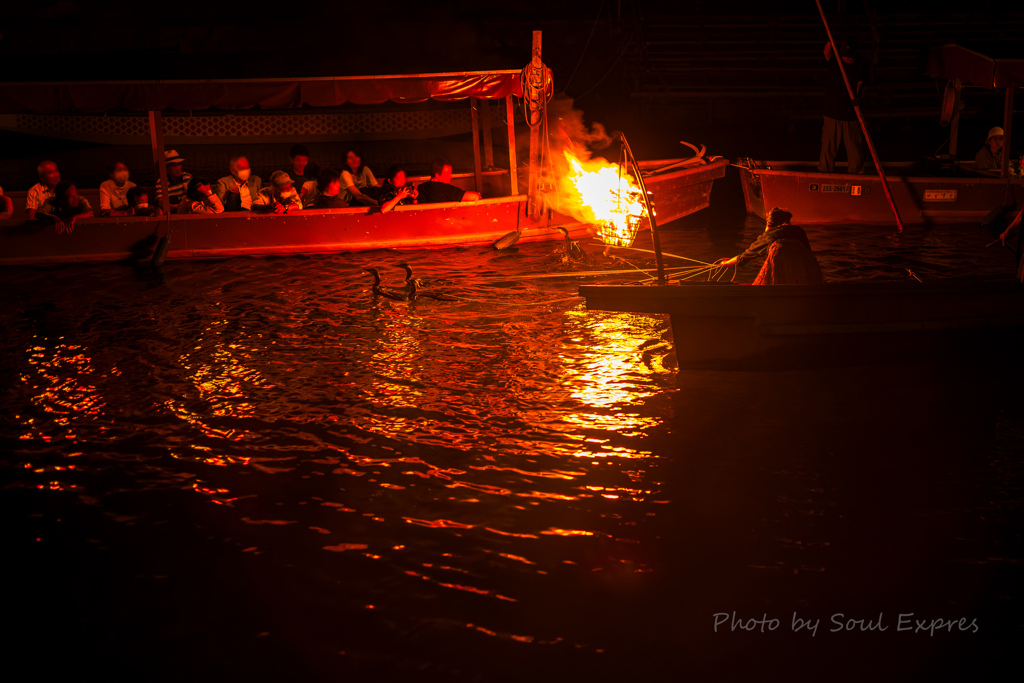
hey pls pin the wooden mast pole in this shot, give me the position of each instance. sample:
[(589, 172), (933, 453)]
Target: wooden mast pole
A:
[(513, 171), (474, 103), (535, 128), (485, 122), (156, 138), (860, 118)]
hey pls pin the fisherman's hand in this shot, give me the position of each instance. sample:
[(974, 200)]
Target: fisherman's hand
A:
[(724, 262)]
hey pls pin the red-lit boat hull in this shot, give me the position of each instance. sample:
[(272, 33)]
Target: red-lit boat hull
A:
[(678, 193), (837, 198)]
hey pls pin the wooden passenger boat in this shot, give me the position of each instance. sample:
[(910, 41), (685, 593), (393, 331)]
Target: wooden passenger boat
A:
[(958, 193), (681, 186), (836, 198), (791, 326)]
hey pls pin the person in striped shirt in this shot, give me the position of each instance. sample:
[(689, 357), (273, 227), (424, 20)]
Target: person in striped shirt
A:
[(177, 179)]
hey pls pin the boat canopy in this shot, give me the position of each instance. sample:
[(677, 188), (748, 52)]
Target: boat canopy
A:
[(271, 93), (954, 62)]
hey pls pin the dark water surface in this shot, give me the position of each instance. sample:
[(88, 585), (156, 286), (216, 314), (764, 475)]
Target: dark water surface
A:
[(255, 468)]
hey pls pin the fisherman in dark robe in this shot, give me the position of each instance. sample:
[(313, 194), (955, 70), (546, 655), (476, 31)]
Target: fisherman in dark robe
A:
[(789, 259)]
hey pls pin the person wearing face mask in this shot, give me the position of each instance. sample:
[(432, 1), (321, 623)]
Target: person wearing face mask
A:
[(280, 197), (114, 192), (238, 191), (49, 176), (138, 200), (6, 207)]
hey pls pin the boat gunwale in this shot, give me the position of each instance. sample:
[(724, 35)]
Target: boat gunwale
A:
[(782, 173), (669, 293)]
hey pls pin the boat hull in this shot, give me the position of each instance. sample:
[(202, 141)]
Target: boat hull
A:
[(790, 326), (468, 224), (841, 198)]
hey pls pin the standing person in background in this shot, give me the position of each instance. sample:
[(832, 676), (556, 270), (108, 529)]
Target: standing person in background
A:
[(303, 172), (361, 188), (239, 190), (840, 120), (440, 189), (114, 192), (6, 207), (49, 177), (177, 179), (65, 207)]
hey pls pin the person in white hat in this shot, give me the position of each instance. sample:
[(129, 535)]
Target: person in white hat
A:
[(177, 179), (990, 157)]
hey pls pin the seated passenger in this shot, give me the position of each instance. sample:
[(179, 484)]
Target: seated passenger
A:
[(440, 189), (199, 198), (395, 191), (49, 176), (6, 207), (361, 188), (114, 192), (307, 189), (990, 157), (280, 197), (238, 191), (138, 200), (301, 171), (329, 191), (65, 207), (177, 180)]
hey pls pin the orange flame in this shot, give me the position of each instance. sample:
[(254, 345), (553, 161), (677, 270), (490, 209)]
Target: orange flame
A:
[(600, 193)]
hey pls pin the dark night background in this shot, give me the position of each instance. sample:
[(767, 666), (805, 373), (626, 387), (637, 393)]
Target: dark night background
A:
[(744, 78)]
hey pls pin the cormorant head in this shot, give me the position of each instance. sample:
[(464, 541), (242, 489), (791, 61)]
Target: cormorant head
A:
[(376, 275)]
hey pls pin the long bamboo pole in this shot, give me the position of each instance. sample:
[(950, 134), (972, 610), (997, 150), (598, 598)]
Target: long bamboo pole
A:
[(650, 211), (860, 118)]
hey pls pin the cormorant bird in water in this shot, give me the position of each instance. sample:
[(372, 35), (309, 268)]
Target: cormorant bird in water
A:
[(409, 287), (571, 250), (389, 292)]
